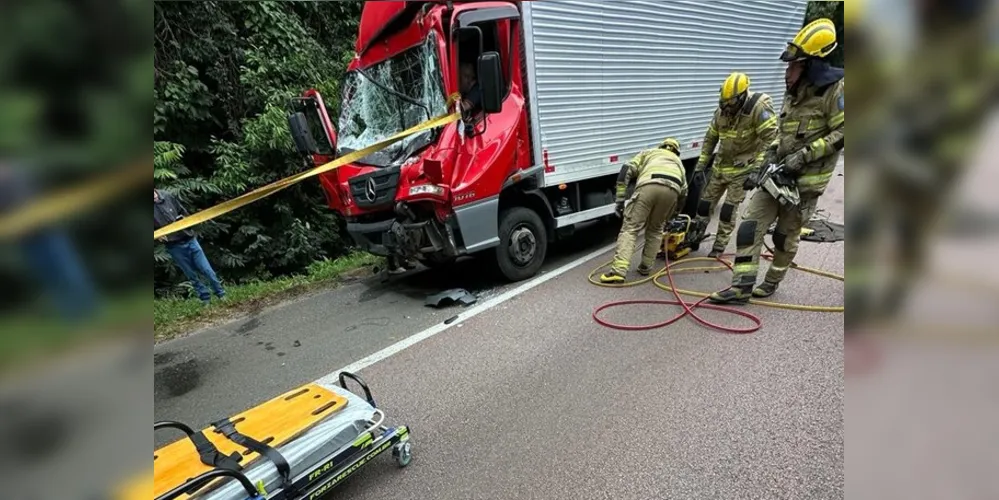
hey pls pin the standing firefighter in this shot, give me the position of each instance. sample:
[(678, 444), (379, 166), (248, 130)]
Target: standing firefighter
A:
[(746, 123), (660, 189), (808, 144)]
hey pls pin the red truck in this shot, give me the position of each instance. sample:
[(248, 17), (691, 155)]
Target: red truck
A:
[(565, 94)]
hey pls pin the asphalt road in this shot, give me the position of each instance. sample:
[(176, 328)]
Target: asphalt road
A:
[(222, 371), (533, 399)]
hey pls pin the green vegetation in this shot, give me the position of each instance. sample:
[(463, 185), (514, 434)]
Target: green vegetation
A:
[(224, 73), (32, 334), (174, 316)]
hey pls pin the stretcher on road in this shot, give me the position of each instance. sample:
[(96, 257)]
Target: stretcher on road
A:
[(300, 444)]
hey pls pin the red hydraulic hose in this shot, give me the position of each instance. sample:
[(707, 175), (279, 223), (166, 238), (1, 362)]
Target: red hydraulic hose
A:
[(688, 309)]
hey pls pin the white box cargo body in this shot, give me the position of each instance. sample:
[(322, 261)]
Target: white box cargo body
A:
[(608, 79)]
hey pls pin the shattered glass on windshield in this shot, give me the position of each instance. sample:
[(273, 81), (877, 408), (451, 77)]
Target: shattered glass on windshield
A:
[(386, 98)]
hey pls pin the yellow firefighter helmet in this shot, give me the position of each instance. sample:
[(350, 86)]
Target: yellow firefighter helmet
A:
[(817, 39), (734, 86), (670, 143), (733, 92)]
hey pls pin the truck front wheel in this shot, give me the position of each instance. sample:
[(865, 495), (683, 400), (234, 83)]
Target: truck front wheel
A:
[(523, 243)]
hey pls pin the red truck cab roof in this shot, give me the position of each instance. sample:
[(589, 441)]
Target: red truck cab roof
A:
[(381, 19)]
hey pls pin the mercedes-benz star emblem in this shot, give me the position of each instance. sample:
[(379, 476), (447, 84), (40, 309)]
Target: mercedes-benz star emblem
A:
[(369, 190)]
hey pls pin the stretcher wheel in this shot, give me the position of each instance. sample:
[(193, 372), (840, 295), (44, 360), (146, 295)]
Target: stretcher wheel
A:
[(403, 453)]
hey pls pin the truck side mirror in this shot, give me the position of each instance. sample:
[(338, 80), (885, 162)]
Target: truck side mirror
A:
[(491, 82), (302, 135)]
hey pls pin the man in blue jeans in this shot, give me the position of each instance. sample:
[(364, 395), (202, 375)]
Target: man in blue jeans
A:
[(183, 246)]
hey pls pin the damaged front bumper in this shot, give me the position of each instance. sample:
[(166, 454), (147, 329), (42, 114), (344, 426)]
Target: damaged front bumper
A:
[(407, 239)]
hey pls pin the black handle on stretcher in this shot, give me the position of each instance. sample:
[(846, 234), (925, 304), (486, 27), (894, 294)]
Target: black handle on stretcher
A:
[(367, 393), (199, 481), (209, 454)]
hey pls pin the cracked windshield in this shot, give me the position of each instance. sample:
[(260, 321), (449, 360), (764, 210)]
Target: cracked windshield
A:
[(387, 98)]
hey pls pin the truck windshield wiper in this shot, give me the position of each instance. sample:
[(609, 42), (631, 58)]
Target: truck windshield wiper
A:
[(394, 92)]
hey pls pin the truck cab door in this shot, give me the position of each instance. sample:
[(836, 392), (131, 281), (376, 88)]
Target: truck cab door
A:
[(485, 69)]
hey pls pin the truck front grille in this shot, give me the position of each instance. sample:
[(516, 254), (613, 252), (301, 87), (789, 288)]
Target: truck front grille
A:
[(375, 189)]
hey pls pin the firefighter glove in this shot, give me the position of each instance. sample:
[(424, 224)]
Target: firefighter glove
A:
[(699, 178), (752, 180), (619, 209), (769, 158), (781, 178), (794, 161)]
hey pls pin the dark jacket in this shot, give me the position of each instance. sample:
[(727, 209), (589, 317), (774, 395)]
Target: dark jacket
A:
[(165, 212)]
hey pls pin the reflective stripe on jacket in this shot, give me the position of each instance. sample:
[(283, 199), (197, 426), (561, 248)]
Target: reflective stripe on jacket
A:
[(652, 166), (743, 138)]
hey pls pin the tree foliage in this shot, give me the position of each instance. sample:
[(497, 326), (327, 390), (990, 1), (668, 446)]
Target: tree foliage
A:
[(224, 73)]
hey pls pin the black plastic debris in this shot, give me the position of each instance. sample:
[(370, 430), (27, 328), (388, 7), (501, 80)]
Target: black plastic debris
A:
[(825, 232), (452, 296)]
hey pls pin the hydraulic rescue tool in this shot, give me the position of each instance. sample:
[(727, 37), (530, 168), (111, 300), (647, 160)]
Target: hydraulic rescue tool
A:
[(776, 182)]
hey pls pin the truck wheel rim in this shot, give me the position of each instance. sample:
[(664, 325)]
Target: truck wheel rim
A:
[(523, 245)]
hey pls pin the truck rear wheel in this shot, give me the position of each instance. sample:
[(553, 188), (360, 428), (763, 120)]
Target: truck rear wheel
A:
[(523, 243)]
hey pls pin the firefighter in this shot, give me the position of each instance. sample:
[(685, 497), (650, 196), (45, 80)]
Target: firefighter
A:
[(809, 141), (746, 123), (660, 190)]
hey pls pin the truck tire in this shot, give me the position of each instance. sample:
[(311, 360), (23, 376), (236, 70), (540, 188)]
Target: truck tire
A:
[(523, 243)]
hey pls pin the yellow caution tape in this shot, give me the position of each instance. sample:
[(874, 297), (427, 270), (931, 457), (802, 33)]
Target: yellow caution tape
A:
[(71, 201), (245, 199)]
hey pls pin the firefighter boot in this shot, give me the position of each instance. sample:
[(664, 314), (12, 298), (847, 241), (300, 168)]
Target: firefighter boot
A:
[(643, 270), (766, 289), (715, 253), (612, 276), (734, 295)]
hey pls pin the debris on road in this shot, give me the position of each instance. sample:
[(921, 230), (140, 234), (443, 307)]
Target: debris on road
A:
[(448, 297), (824, 231)]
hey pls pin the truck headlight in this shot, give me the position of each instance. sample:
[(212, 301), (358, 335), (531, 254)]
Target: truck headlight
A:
[(426, 189)]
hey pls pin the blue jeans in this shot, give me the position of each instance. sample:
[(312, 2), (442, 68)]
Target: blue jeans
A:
[(190, 258)]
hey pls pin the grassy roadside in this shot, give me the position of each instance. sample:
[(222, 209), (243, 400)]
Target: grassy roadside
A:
[(174, 317), (32, 335)]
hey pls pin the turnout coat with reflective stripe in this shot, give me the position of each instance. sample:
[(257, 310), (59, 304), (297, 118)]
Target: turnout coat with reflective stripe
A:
[(812, 120), (743, 138), (657, 166)]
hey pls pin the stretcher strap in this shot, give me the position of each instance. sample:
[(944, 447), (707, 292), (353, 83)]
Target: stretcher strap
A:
[(211, 456), (228, 429)]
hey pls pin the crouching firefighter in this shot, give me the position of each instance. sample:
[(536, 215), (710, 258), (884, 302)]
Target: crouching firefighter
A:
[(746, 123), (660, 190), (808, 145)]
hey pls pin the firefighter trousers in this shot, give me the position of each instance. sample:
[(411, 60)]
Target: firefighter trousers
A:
[(730, 185), (763, 209), (649, 208)]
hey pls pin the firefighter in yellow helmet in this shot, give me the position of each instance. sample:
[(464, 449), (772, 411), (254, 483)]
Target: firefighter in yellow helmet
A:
[(745, 123), (808, 145), (660, 190)]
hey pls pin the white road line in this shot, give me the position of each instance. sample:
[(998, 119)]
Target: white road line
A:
[(331, 378)]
